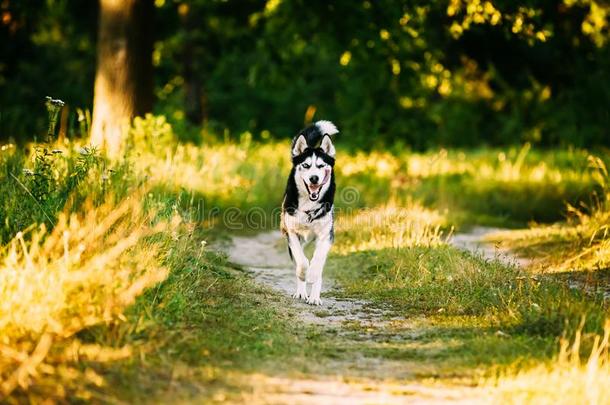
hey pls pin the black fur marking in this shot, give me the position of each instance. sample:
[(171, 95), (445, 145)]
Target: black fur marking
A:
[(329, 160), (313, 137), (289, 250), (316, 213), (291, 196)]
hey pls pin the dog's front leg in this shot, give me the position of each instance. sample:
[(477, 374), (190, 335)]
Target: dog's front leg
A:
[(314, 274), (301, 263)]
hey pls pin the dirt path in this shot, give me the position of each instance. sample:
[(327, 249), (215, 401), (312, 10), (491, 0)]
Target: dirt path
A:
[(378, 380), (473, 241), (266, 257)]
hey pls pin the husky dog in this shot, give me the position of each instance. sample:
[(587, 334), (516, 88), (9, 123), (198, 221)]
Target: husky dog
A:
[(307, 209)]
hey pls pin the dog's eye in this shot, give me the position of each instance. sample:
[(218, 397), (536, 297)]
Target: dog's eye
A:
[(320, 166), (306, 166)]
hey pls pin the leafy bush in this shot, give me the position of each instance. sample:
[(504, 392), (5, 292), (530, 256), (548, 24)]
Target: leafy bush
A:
[(150, 133), (37, 194)]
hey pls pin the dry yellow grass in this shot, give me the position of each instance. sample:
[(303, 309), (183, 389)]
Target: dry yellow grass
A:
[(499, 168), (85, 272), (581, 243), (567, 380), (389, 226)]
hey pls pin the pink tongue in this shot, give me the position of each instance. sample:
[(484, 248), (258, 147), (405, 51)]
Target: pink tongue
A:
[(314, 187)]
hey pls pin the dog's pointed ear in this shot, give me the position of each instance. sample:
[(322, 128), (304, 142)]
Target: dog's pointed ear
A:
[(327, 146), (299, 146)]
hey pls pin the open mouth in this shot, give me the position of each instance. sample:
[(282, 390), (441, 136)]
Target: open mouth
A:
[(314, 189)]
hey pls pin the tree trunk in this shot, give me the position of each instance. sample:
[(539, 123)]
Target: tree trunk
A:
[(124, 76)]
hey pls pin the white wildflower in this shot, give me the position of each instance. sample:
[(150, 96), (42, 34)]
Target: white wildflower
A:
[(55, 101)]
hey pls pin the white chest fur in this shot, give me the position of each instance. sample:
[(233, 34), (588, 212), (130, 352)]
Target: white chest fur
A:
[(302, 224)]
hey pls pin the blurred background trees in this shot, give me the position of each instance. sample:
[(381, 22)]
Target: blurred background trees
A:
[(421, 73)]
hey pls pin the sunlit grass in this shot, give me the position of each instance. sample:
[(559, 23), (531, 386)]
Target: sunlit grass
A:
[(223, 175), (84, 272), (484, 186), (566, 380), (394, 209), (580, 243), (513, 165), (390, 226), (500, 187)]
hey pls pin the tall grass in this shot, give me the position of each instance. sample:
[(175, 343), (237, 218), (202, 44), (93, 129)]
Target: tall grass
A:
[(500, 187), (29, 194), (84, 272), (566, 380), (580, 243), (389, 226)]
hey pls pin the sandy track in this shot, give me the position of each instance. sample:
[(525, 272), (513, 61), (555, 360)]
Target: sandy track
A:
[(265, 255)]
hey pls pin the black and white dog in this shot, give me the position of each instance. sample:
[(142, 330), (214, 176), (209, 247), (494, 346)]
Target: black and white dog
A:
[(307, 210)]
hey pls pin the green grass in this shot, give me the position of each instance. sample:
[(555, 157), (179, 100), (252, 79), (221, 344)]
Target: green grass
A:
[(471, 316), (209, 319), (448, 348), (485, 186), (577, 249)]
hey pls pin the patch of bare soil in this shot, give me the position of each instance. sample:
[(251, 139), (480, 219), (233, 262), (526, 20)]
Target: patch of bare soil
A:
[(265, 255)]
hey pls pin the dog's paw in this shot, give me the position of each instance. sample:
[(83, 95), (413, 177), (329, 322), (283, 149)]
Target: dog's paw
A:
[(314, 300), (301, 292), (300, 296)]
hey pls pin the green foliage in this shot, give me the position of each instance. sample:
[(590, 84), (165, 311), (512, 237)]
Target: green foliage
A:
[(42, 176), (421, 73), (150, 133), (454, 72), (37, 195), (46, 47)]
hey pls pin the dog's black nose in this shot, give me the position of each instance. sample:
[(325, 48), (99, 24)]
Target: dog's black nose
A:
[(314, 179)]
